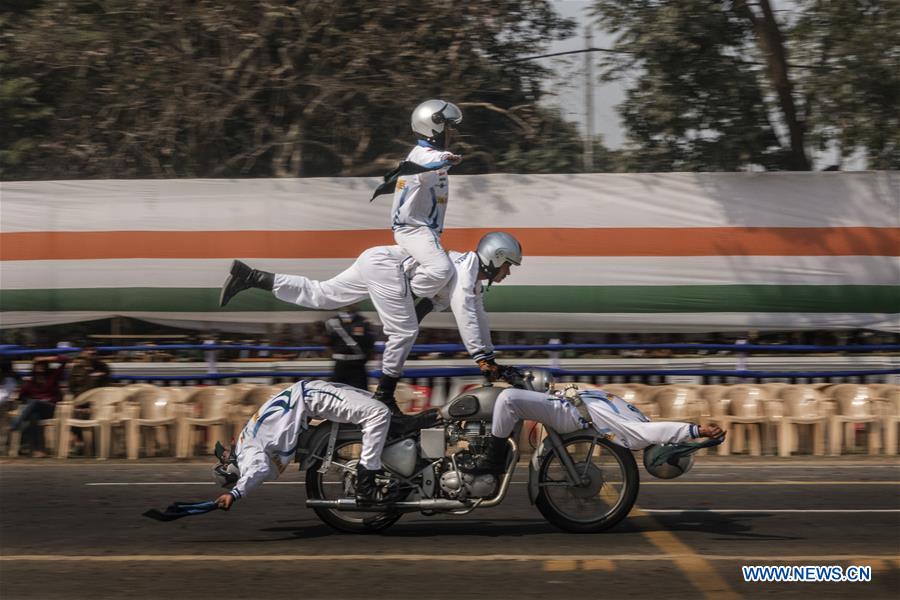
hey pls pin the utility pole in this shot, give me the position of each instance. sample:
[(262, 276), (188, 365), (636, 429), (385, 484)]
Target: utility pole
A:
[(588, 101)]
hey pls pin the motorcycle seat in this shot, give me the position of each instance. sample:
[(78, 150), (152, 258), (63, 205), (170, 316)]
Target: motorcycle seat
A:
[(406, 424)]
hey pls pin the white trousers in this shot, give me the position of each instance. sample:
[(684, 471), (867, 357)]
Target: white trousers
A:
[(376, 274), (358, 407), (611, 417), (435, 268)]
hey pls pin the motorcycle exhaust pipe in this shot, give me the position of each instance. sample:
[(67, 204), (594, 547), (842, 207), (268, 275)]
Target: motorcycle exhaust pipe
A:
[(349, 504)]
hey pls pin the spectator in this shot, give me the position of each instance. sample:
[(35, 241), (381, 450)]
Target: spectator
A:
[(351, 341), (9, 381), (88, 371), (41, 393)]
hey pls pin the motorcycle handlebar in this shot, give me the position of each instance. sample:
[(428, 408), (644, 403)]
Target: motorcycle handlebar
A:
[(515, 378)]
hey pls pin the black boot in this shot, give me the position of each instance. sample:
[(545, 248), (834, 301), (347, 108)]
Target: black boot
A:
[(242, 277), (385, 393), (423, 307), (493, 461), (366, 487)]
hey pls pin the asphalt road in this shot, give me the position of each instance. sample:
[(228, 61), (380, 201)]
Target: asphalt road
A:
[(73, 530)]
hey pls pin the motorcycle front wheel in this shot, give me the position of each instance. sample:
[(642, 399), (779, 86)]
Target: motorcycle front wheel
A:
[(611, 490), (339, 481)]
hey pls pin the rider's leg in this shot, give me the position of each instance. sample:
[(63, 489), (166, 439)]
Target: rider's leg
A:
[(348, 405), (434, 269), (390, 294), (341, 290), (514, 405)]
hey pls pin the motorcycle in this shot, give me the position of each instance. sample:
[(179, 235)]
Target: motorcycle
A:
[(579, 481)]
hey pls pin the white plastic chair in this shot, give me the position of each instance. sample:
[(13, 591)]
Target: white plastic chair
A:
[(677, 403), (891, 419), (855, 406), (209, 409), (50, 426), (104, 403), (159, 409), (746, 409), (802, 406)]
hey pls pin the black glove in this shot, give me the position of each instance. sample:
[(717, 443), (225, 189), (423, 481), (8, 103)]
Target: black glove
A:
[(512, 376), (490, 369)]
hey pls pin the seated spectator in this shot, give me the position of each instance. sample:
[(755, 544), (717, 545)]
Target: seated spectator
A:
[(40, 395), (89, 371)]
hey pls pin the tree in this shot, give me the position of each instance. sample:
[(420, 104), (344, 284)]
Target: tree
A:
[(183, 88), (728, 84)]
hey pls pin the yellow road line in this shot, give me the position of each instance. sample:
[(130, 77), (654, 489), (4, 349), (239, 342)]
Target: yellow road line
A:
[(560, 565), (696, 568), (598, 564), (876, 564)]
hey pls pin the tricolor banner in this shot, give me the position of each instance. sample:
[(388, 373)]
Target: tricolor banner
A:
[(603, 252)]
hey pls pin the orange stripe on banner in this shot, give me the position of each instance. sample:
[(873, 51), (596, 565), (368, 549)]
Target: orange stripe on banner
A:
[(623, 241)]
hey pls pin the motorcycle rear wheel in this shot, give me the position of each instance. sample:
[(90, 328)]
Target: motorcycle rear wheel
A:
[(598, 506), (339, 481)]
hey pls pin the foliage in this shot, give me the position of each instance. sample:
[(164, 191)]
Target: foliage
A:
[(202, 88), (724, 85)]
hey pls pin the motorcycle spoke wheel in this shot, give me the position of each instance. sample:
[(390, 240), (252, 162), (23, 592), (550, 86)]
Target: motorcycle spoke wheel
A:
[(603, 500), (339, 481)]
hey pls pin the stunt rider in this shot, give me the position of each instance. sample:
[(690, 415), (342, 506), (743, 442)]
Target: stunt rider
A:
[(622, 423), (268, 442), (420, 200), (382, 273)]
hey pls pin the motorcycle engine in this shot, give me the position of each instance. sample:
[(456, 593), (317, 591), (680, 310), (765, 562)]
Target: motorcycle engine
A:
[(475, 433), (457, 485)]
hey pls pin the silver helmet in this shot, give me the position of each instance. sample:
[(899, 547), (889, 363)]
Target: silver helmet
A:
[(664, 463), (430, 119), (496, 248), (541, 379), (227, 471)]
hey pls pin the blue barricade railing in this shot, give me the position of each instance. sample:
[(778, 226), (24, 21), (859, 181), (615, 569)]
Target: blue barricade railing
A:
[(454, 348), (449, 372)]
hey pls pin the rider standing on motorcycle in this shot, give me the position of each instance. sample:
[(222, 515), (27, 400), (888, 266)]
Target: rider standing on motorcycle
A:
[(622, 423), (268, 442), (382, 273)]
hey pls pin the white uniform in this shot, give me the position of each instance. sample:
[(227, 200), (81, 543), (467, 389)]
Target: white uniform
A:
[(464, 296), (622, 422), (268, 442), (381, 273), (417, 218)]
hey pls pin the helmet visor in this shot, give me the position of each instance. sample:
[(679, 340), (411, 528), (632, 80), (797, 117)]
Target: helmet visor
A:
[(449, 115)]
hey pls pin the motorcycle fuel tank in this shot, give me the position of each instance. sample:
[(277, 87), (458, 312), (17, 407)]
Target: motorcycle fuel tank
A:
[(472, 405)]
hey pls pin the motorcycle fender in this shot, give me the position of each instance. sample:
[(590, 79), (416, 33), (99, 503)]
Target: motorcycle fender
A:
[(312, 443)]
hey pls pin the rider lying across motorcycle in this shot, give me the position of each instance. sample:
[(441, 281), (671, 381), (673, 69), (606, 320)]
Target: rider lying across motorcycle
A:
[(268, 442), (610, 415)]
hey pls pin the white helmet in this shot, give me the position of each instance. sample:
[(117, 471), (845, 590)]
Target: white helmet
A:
[(496, 248), (541, 379), (430, 119), (666, 461)]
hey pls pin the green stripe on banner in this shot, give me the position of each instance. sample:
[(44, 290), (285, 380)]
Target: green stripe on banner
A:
[(501, 298)]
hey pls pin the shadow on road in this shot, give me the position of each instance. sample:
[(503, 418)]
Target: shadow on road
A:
[(731, 526)]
